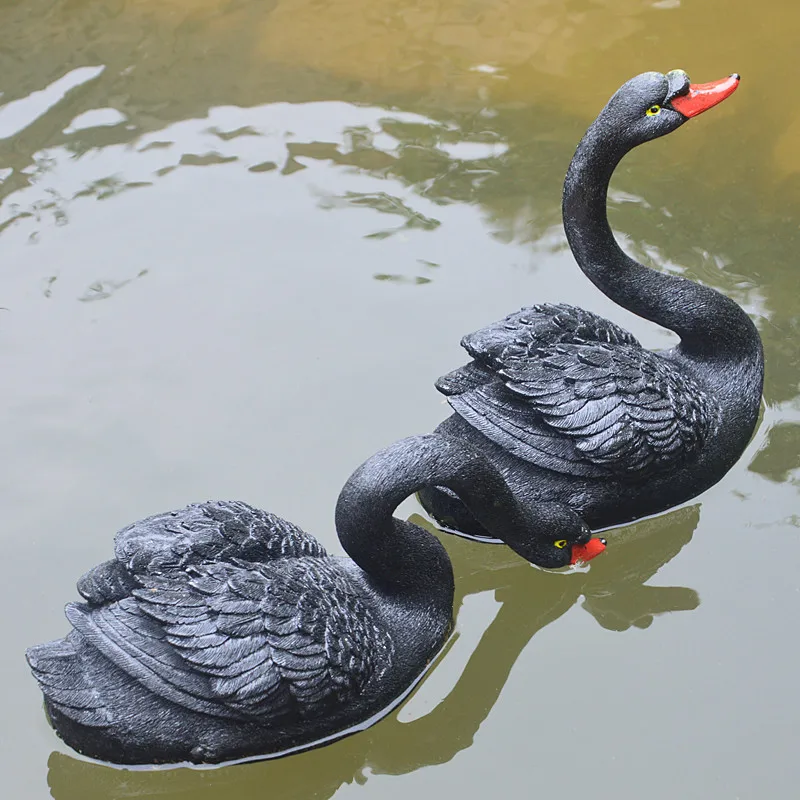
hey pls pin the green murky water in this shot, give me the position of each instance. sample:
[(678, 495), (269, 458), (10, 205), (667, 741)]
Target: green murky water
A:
[(238, 242)]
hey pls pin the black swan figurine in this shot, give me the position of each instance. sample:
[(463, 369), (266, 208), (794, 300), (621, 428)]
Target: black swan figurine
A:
[(223, 632), (568, 405)]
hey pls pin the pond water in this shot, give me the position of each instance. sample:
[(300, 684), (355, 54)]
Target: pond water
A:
[(239, 242)]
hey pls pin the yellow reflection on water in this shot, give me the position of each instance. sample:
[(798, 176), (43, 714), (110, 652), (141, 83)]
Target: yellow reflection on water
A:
[(569, 54)]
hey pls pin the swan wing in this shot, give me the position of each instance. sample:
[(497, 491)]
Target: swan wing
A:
[(202, 532), (463, 379), (521, 335), (212, 531), (592, 410), (284, 641)]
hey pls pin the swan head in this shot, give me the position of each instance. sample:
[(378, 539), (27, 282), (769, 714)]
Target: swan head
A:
[(652, 105), (556, 537)]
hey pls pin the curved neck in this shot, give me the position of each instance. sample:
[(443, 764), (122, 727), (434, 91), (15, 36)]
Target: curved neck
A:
[(710, 325), (399, 553)]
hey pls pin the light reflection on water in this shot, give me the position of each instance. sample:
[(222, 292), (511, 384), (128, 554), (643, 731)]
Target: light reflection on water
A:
[(278, 220)]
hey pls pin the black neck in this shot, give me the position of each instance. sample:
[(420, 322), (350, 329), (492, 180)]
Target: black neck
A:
[(710, 325), (401, 554)]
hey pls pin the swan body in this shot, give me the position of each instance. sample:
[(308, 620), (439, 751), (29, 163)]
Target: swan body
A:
[(569, 406), (223, 632)]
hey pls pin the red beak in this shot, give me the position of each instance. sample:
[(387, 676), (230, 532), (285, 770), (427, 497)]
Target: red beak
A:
[(586, 552), (703, 96)]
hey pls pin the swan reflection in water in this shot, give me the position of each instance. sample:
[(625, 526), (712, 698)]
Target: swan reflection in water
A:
[(614, 594)]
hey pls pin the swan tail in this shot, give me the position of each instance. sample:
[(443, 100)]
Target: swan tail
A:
[(62, 676)]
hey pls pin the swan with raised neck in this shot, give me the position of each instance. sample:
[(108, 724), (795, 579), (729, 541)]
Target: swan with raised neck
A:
[(568, 405)]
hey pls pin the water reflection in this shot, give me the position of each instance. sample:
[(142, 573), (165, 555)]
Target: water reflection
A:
[(615, 595), (780, 455), (409, 164)]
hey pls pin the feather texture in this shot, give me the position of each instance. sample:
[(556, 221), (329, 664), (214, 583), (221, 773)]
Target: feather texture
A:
[(199, 533), (58, 668), (568, 391), (225, 610), (285, 640)]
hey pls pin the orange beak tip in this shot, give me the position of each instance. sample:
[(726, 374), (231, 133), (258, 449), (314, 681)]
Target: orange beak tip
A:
[(702, 96), (588, 551)]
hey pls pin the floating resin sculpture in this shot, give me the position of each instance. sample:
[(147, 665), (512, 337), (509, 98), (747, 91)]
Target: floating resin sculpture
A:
[(222, 632), (568, 405)]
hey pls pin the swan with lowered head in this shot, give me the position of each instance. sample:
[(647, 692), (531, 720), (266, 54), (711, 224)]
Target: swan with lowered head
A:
[(222, 632)]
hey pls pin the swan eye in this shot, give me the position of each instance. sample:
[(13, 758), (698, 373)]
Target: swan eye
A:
[(560, 543), (653, 111)]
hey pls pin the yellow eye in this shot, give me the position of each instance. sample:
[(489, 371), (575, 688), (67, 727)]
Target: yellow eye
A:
[(560, 543), (653, 111)]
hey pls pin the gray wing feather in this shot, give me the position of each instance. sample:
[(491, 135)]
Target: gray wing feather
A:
[(199, 533), (213, 531), (592, 410), (283, 641), (128, 638), (61, 676), (521, 335)]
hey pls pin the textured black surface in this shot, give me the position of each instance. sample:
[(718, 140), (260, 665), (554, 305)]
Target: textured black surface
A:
[(213, 531), (284, 639), (221, 631), (591, 409), (568, 405)]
